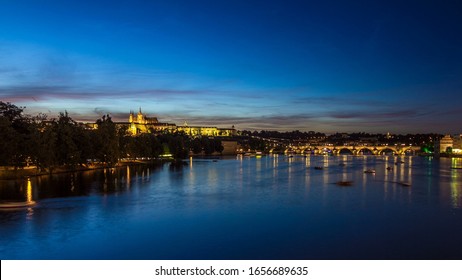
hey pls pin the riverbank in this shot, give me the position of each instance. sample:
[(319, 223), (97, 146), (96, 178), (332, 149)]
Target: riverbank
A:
[(9, 173)]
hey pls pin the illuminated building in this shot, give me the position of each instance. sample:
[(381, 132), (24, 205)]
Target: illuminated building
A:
[(444, 144), (457, 144), (140, 123)]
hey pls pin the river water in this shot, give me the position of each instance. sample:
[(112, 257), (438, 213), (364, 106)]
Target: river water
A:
[(270, 207)]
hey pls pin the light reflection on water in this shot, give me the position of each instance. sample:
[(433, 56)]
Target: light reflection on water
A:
[(271, 207)]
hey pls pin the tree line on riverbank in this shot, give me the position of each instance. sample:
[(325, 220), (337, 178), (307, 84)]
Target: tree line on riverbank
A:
[(47, 143)]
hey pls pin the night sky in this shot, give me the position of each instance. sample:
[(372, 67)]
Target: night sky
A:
[(329, 66)]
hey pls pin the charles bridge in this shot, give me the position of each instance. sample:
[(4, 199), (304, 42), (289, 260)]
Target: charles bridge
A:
[(352, 149)]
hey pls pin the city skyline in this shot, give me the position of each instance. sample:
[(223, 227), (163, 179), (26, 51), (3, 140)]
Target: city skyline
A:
[(258, 65)]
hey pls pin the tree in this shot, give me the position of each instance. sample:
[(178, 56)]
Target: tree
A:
[(207, 146), (67, 151), (11, 112), (15, 135), (108, 141), (218, 147), (196, 145), (175, 144), (83, 139), (43, 142), (8, 142), (125, 141), (156, 146)]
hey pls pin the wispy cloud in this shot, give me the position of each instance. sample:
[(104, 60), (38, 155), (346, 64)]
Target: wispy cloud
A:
[(50, 82), (379, 115)]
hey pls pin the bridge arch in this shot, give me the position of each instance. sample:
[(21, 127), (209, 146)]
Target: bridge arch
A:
[(409, 150), (277, 150), (365, 151), (344, 150), (383, 151), (312, 150)]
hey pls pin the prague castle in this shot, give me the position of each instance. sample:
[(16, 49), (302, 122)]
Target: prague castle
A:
[(140, 123)]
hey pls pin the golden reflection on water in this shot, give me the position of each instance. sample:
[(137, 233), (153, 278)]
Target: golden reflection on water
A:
[(275, 165), (192, 174), (365, 175), (345, 173), (307, 173), (456, 196), (29, 191), (105, 180), (326, 161), (289, 170), (72, 182), (345, 176), (394, 168), (213, 178), (409, 172), (401, 170), (456, 163), (325, 173), (388, 169), (29, 199), (258, 164), (128, 177)]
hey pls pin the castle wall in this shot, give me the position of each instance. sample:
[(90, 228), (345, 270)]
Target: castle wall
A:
[(143, 124)]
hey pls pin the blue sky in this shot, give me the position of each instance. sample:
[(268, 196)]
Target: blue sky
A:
[(330, 66)]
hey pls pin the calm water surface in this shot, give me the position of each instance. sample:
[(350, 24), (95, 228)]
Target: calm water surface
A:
[(273, 207)]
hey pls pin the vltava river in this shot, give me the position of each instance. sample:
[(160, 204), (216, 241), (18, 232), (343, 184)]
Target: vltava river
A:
[(273, 207)]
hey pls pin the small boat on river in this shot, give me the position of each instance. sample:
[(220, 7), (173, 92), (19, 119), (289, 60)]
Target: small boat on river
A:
[(370, 171), (344, 183), (16, 205)]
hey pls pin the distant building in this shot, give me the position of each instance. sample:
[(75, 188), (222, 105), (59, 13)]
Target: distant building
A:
[(140, 123), (457, 144), (442, 145)]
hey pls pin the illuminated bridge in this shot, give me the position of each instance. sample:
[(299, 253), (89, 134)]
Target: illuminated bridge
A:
[(355, 150)]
